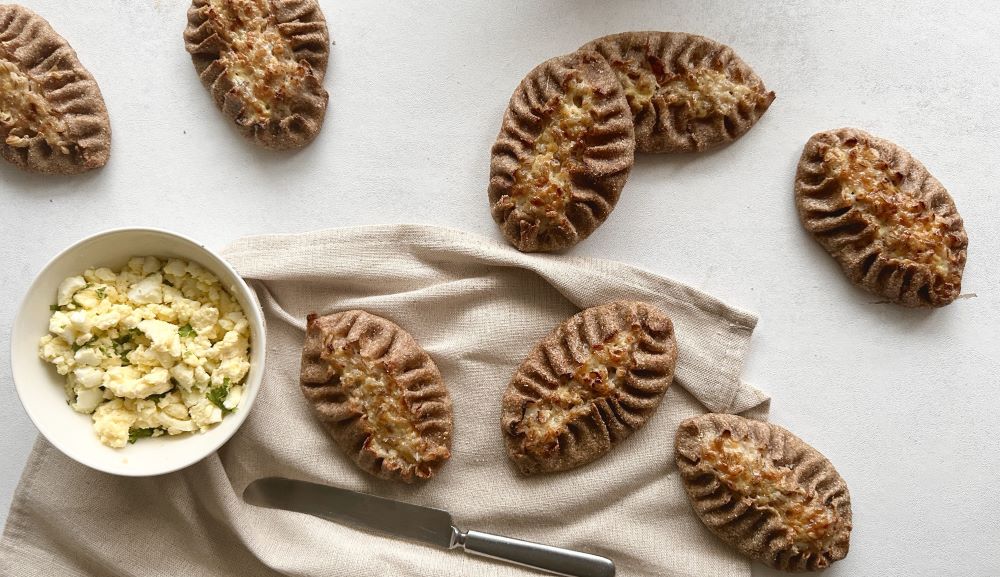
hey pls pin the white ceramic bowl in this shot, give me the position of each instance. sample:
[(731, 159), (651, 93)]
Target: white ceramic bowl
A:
[(40, 387)]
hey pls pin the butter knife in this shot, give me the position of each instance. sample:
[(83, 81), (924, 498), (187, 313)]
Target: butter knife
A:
[(416, 523)]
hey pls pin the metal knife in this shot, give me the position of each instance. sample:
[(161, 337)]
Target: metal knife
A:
[(416, 523)]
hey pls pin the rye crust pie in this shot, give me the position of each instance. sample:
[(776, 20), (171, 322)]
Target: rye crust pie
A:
[(378, 394), (764, 491), (585, 388), (563, 154), (52, 116), (891, 226), (263, 62), (686, 92)]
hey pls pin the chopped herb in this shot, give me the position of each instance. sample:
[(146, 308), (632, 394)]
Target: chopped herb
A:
[(131, 334), (217, 395), (101, 293), (54, 308), (136, 434), (81, 289), (186, 331), (77, 347)]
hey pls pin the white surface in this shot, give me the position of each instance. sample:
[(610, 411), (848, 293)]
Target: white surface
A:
[(40, 388), (903, 402)]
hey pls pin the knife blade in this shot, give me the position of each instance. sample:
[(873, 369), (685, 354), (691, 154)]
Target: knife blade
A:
[(413, 522), (417, 523)]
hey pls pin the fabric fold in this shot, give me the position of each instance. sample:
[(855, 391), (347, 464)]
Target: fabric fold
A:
[(710, 356), (477, 306)]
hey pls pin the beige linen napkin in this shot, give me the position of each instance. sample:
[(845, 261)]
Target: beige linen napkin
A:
[(477, 307)]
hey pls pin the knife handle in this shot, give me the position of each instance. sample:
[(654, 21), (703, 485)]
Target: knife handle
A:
[(537, 556)]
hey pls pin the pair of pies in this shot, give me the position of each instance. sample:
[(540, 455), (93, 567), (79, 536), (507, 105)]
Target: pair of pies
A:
[(582, 390), (586, 387), (601, 375), (263, 62), (568, 138)]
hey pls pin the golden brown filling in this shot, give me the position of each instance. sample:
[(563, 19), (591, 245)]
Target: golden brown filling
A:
[(705, 92), (599, 377), (374, 393), (25, 113), (259, 61), (745, 469), (702, 92), (908, 227), (543, 184), (639, 81)]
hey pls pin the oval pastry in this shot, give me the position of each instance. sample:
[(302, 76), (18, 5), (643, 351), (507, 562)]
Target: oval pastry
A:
[(52, 115), (563, 153), (378, 394), (597, 378), (263, 61), (764, 491), (686, 92), (891, 225)]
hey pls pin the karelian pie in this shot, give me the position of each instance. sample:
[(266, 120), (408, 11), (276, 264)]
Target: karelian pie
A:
[(892, 226), (52, 115), (764, 491), (596, 379), (378, 394), (686, 92), (563, 154), (263, 62)]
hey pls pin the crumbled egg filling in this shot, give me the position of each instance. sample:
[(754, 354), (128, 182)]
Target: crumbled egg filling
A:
[(910, 229), (155, 348), (258, 60), (745, 469), (376, 395), (25, 113), (543, 185), (598, 377)]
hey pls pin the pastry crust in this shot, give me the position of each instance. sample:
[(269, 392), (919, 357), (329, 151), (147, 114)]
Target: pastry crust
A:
[(686, 92), (263, 61), (563, 154), (378, 394), (597, 378), (764, 491), (52, 115), (892, 226)]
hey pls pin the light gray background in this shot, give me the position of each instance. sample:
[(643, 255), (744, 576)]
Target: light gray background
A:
[(903, 402)]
